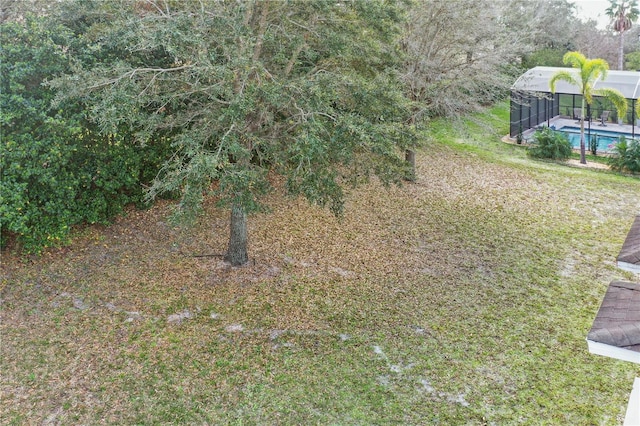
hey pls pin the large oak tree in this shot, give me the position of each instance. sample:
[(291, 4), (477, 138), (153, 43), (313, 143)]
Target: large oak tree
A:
[(461, 53), (242, 89)]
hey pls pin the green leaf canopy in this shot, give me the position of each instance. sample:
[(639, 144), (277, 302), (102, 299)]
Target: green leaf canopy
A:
[(301, 88)]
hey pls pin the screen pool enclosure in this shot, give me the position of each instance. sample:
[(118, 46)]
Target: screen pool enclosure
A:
[(533, 104)]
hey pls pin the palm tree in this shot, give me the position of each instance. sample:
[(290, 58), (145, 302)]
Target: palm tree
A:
[(622, 13), (589, 71)]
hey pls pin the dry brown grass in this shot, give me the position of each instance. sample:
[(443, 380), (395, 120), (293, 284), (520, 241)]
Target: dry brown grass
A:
[(479, 280)]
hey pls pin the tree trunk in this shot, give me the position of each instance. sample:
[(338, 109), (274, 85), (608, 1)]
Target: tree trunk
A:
[(410, 158), (621, 52), (583, 157), (237, 250)]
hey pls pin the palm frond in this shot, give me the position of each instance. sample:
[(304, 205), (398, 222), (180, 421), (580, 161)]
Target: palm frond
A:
[(616, 98), (594, 68), (575, 59), (563, 76)]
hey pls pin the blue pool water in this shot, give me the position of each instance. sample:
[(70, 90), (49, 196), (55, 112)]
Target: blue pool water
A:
[(606, 139)]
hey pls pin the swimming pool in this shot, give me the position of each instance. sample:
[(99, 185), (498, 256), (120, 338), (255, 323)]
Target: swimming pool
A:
[(606, 139)]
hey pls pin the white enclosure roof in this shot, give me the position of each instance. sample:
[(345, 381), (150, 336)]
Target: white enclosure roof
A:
[(537, 80)]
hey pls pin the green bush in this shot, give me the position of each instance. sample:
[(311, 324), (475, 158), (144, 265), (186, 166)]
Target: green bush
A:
[(625, 156), (548, 57), (593, 145), (56, 170), (550, 144)]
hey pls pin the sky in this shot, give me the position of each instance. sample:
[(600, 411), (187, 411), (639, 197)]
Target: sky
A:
[(593, 9)]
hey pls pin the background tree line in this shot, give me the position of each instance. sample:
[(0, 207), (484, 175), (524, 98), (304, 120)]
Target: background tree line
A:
[(102, 99)]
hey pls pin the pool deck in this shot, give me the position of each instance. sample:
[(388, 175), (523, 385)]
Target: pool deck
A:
[(560, 122)]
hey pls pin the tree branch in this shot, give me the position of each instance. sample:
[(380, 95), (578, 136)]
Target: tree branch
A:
[(293, 59), (135, 71), (262, 27)]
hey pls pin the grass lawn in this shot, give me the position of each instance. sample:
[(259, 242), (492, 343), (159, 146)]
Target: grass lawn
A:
[(464, 298)]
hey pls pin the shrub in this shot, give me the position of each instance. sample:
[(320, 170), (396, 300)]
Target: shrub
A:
[(625, 156), (550, 144), (519, 136), (55, 169), (593, 145)]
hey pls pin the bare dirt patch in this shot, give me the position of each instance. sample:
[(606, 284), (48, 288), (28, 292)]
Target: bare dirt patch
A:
[(590, 164)]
